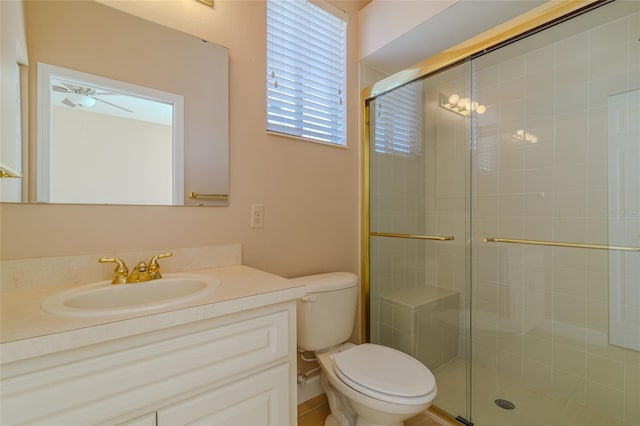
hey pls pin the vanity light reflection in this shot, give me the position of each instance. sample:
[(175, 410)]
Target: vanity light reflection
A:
[(461, 106), (524, 136)]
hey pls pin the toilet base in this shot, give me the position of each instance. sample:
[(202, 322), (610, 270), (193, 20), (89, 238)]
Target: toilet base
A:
[(369, 417), (342, 413), (363, 422), (360, 421), (331, 421)]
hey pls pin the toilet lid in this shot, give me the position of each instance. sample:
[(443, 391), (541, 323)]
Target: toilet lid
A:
[(385, 373)]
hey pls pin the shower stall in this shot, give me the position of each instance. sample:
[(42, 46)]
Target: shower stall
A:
[(501, 228)]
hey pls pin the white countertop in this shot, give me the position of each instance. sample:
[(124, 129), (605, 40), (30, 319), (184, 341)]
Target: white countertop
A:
[(27, 331)]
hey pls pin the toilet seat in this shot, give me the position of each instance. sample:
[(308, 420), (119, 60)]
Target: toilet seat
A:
[(385, 374)]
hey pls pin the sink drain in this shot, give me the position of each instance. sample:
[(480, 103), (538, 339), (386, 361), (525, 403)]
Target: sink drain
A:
[(504, 404)]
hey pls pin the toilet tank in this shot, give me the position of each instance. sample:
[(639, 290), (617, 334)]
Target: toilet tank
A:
[(327, 312)]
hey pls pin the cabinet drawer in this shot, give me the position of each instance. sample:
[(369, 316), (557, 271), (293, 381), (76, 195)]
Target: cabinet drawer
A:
[(103, 387), (261, 399)]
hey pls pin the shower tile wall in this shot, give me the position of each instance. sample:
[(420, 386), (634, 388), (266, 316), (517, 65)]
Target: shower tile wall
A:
[(541, 313), (397, 206)]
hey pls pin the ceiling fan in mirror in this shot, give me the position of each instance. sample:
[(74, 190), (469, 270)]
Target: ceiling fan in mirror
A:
[(83, 96)]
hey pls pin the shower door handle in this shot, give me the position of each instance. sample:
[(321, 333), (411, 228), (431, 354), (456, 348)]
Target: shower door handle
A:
[(561, 244), (414, 237)]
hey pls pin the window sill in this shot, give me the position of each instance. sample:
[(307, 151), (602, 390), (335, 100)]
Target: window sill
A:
[(286, 136)]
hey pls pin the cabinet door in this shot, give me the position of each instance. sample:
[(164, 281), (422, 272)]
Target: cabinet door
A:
[(261, 399)]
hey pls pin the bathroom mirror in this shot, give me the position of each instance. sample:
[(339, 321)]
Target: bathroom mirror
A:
[(97, 41)]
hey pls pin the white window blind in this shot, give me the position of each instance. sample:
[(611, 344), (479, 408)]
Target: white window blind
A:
[(306, 71), (398, 123)]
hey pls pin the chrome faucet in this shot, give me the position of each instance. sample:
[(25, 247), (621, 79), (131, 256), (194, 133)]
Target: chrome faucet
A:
[(141, 273)]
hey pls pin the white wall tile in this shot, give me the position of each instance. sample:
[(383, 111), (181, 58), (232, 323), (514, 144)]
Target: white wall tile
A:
[(598, 315), (540, 82), (608, 63), (575, 47), (568, 72), (631, 408), (569, 309), (540, 59), (605, 371), (537, 349), (570, 281), (569, 386), (538, 375), (602, 38), (570, 360), (512, 68)]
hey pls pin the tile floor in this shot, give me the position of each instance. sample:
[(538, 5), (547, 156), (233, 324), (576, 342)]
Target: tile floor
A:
[(313, 412)]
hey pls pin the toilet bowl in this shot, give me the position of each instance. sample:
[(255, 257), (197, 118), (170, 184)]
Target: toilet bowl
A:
[(383, 386), (368, 384)]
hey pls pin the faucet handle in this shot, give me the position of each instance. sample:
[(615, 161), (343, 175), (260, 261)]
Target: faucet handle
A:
[(154, 266), (120, 273)]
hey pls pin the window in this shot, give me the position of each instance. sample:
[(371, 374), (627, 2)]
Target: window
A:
[(397, 123), (306, 70)]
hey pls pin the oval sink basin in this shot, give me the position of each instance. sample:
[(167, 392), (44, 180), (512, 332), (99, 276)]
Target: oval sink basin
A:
[(103, 298)]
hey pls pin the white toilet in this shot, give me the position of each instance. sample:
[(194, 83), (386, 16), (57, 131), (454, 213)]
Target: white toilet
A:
[(368, 384)]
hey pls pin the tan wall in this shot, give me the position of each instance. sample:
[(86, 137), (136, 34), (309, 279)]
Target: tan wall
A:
[(310, 191)]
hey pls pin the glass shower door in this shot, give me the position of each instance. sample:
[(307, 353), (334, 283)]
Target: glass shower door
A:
[(419, 156), (555, 192)]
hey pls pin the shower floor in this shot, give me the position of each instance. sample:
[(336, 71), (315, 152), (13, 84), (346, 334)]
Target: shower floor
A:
[(533, 408)]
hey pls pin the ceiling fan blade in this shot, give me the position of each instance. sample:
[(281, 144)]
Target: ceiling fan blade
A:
[(68, 103), (70, 87), (113, 105), (107, 93), (60, 89)]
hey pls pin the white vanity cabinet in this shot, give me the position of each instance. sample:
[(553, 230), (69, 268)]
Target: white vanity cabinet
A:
[(236, 369)]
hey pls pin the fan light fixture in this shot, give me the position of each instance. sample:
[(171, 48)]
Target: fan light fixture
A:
[(461, 106), (81, 100)]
